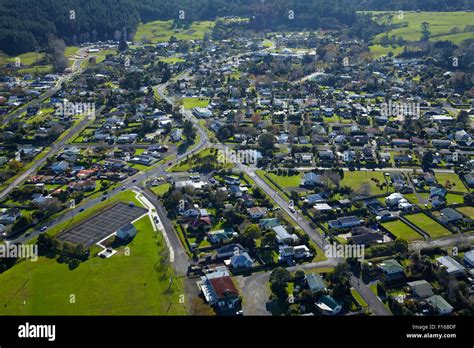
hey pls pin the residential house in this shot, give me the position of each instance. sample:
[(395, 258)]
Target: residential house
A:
[(176, 135), (228, 251), (469, 258), (392, 269), (311, 179), (10, 216), (452, 266), (241, 260), (328, 305), (364, 236), (219, 290), (449, 215), (221, 236), (283, 236), (421, 288), (257, 212), (440, 305), (344, 222), (60, 167), (315, 282)]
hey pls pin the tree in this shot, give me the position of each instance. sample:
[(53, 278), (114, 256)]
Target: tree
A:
[(266, 141), (189, 131), (425, 31), (463, 118), (341, 273), (15, 166), (427, 161), (253, 231), (198, 307), (401, 245), (123, 45), (278, 281), (269, 239), (22, 223)]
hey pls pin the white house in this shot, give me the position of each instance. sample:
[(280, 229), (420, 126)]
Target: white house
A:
[(452, 266)]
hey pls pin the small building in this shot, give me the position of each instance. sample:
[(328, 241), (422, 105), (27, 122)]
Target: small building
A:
[(449, 215), (219, 290), (241, 260), (392, 269), (315, 282), (469, 258), (344, 222), (421, 288), (257, 212), (311, 179), (440, 305), (126, 232), (60, 167), (283, 236), (452, 266), (328, 305)]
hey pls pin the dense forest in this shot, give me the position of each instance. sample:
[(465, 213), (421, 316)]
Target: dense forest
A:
[(26, 25)]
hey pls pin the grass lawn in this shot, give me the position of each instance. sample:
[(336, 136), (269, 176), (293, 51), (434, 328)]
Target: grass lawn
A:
[(441, 23), (357, 178), (190, 103), (161, 189), (452, 198), (401, 230), (195, 159), (261, 174), (427, 224), (161, 31), (120, 285), (358, 298), (378, 50), (286, 181), (453, 179), (468, 211), (172, 60)]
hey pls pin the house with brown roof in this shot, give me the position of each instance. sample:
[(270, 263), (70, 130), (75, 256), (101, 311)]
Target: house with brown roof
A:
[(219, 290)]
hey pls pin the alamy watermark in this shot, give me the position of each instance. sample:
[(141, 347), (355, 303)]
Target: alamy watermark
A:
[(237, 156), (346, 251), (396, 108), (20, 251), (71, 109)]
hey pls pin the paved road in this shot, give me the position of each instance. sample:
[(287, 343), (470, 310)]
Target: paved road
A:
[(455, 240), (181, 258)]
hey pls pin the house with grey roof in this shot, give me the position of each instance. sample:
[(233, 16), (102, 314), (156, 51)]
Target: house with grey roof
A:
[(452, 266), (421, 288)]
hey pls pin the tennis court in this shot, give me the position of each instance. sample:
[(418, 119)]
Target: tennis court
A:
[(102, 224)]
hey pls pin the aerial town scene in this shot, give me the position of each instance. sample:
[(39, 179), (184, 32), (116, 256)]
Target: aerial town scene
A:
[(253, 158)]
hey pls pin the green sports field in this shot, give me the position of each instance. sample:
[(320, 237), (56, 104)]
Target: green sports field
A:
[(119, 285)]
